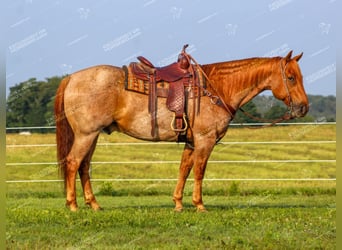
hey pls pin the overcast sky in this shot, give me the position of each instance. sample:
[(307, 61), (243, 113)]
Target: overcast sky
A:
[(52, 38)]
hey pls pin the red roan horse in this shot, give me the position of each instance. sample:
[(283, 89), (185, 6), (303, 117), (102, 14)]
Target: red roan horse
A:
[(94, 99)]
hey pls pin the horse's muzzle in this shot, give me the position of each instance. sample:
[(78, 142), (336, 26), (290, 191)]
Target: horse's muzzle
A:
[(299, 110)]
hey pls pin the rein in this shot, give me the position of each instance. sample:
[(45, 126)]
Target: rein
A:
[(271, 121)]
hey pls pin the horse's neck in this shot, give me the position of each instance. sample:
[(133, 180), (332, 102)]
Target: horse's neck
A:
[(237, 82)]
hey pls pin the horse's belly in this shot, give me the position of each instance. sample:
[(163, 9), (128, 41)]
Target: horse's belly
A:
[(137, 122)]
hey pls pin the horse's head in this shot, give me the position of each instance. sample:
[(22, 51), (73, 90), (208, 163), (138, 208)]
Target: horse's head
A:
[(288, 86)]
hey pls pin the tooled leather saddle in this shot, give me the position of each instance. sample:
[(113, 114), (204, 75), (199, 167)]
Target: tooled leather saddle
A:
[(177, 82)]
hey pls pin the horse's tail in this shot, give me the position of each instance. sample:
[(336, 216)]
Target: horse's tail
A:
[(64, 133)]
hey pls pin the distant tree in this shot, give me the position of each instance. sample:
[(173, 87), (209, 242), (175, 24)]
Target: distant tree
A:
[(19, 103), (278, 111), (249, 107), (323, 107), (30, 103), (275, 112)]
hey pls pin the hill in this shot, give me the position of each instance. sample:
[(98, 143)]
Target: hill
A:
[(322, 108)]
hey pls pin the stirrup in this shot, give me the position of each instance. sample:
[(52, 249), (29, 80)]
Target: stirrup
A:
[(173, 121)]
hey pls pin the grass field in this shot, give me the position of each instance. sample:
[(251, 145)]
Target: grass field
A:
[(139, 214)]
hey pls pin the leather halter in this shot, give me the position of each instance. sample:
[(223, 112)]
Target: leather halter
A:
[(283, 74)]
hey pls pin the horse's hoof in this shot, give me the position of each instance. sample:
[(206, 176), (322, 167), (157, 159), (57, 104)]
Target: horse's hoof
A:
[(201, 210), (178, 209), (95, 207), (72, 208)]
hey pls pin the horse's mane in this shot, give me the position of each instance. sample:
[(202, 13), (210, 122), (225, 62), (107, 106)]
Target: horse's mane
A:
[(230, 67), (232, 78)]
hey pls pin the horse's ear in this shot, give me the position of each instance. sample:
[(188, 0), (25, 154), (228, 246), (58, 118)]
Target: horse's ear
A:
[(297, 57), (288, 56)]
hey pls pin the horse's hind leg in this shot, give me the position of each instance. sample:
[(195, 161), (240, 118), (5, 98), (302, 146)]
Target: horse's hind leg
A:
[(83, 171), (80, 148)]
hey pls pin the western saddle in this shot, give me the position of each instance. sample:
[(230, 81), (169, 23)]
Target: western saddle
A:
[(184, 82)]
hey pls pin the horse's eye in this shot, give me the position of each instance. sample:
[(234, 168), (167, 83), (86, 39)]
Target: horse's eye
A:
[(291, 78)]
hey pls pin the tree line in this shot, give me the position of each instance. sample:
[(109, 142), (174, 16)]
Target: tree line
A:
[(30, 103)]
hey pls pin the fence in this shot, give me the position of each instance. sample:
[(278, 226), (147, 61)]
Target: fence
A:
[(177, 162), (231, 124)]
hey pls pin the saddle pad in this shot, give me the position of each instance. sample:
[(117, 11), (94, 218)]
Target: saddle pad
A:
[(140, 86)]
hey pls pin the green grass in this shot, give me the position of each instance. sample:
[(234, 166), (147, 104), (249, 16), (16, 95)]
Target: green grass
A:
[(139, 215), (148, 222)]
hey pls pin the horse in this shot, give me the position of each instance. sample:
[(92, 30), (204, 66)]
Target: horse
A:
[(94, 99)]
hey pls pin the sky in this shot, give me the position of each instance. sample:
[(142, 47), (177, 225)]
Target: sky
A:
[(47, 38)]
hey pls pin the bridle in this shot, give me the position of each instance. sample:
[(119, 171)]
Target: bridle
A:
[(290, 108)]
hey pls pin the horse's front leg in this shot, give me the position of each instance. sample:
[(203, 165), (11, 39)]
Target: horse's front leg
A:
[(184, 170), (201, 156), (199, 171)]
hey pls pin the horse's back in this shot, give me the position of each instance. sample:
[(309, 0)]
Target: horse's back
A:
[(105, 67)]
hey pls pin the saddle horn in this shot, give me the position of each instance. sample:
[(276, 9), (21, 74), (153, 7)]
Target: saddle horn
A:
[(183, 58), (183, 61), (184, 47)]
